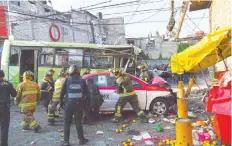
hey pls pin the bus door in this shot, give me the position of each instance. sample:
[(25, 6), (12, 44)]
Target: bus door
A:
[(28, 61)]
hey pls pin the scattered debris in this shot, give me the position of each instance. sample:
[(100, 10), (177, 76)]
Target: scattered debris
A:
[(151, 120), (111, 139), (137, 137), (191, 115), (99, 132), (34, 142), (159, 128), (133, 132), (146, 135)]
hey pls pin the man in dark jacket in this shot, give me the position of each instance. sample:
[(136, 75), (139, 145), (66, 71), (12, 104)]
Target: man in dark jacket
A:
[(96, 101), (6, 90), (77, 93), (46, 91)]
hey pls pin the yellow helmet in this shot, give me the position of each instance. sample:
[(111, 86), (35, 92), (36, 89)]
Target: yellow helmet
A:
[(115, 71), (28, 74), (142, 66)]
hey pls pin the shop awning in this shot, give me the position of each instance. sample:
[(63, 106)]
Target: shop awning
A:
[(213, 48)]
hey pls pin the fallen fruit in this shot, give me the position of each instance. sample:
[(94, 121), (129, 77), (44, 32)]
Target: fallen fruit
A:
[(131, 144), (155, 116), (202, 123), (134, 121), (120, 130), (62, 134), (124, 126), (160, 143), (117, 130), (123, 142), (214, 142), (129, 140)]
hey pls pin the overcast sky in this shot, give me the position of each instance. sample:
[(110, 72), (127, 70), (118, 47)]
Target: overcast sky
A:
[(142, 29)]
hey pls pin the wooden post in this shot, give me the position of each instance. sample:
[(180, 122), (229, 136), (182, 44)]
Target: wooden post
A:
[(182, 19)]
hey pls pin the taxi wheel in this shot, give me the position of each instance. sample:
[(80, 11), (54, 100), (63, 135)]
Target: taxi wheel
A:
[(159, 106)]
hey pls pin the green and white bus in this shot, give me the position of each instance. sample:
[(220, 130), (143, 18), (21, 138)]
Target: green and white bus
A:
[(39, 57)]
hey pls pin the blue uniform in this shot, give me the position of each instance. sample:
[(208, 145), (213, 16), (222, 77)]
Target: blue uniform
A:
[(77, 93), (6, 90)]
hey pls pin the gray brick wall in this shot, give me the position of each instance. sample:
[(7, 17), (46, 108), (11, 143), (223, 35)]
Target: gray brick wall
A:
[(221, 15)]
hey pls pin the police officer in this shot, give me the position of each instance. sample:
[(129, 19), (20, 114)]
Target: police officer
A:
[(6, 90), (145, 75), (127, 94), (96, 101), (76, 92), (28, 94), (46, 91), (55, 98)]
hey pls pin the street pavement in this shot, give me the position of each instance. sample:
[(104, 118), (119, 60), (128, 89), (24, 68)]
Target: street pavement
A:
[(51, 135)]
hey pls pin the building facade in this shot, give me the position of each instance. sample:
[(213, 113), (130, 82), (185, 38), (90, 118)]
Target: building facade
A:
[(155, 46), (36, 20), (219, 16)]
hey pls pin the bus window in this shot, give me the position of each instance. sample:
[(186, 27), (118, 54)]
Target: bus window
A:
[(14, 53), (66, 57), (87, 61), (47, 57), (102, 61)]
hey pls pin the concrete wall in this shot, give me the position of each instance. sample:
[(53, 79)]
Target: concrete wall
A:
[(220, 16), (114, 32)]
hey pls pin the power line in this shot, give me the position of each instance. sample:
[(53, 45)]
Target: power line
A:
[(95, 4), (135, 11), (193, 23), (202, 16), (145, 10), (151, 15), (118, 4)]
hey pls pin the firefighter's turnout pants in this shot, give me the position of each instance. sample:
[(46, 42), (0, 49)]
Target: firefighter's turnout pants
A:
[(122, 101)]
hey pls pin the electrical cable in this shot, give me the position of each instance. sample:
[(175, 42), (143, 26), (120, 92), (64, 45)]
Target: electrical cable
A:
[(194, 23), (135, 11), (150, 16), (118, 4), (202, 16)]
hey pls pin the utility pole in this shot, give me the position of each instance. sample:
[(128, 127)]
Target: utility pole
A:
[(184, 10), (9, 23), (92, 31)]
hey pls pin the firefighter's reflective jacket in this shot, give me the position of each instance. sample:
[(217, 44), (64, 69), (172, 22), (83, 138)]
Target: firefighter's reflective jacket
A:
[(28, 94), (46, 90), (58, 86), (146, 76), (125, 87)]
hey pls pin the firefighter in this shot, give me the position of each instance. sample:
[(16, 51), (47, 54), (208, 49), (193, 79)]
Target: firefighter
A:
[(6, 90), (28, 94), (52, 82), (55, 98), (76, 92), (127, 94), (64, 70), (87, 71), (96, 101), (46, 91), (145, 75)]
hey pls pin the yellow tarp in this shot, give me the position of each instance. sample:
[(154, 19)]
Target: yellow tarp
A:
[(211, 49)]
